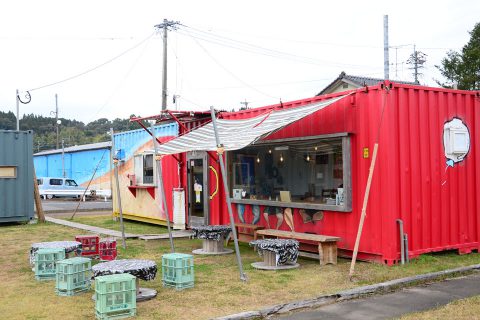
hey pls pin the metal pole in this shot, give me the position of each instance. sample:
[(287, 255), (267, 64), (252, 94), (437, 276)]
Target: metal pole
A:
[(386, 62), (122, 227), (415, 63), (63, 157), (112, 150), (18, 111), (56, 115), (243, 276), (164, 82), (158, 163), (402, 247)]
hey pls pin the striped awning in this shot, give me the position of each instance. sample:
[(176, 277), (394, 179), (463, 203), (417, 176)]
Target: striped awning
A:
[(239, 133)]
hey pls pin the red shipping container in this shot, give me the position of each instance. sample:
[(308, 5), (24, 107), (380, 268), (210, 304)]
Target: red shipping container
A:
[(426, 172)]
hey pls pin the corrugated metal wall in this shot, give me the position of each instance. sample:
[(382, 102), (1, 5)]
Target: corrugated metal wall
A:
[(16, 194), (142, 206), (79, 165), (412, 181)]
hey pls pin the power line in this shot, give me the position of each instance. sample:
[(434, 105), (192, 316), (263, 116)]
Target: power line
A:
[(127, 74), (231, 73), (94, 68), (248, 47)]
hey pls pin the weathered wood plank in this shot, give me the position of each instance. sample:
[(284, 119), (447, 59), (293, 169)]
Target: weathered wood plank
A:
[(92, 229), (297, 235)]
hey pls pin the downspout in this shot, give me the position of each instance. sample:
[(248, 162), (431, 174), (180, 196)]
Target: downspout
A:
[(402, 243)]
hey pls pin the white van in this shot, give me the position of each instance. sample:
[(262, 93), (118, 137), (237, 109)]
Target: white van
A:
[(50, 187)]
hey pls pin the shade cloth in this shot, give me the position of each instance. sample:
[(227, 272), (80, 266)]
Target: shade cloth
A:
[(239, 133)]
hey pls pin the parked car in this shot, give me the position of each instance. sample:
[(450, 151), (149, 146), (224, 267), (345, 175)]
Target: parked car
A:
[(50, 187)]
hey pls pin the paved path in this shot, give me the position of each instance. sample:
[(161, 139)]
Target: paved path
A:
[(118, 234), (398, 303), (92, 229), (69, 205)]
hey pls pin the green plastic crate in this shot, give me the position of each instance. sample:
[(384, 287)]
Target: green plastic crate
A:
[(115, 296), (73, 276), (45, 262), (177, 270)]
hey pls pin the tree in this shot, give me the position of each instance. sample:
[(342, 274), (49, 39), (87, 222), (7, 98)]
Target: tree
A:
[(463, 69)]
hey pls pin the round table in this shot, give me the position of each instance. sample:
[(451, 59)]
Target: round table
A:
[(69, 246), (141, 269), (213, 238), (278, 254)]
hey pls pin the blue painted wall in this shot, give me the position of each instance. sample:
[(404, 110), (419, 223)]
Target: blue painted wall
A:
[(131, 141), (79, 165)]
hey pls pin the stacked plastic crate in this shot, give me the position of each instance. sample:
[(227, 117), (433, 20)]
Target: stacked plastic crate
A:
[(108, 249), (45, 262), (73, 276), (115, 296), (90, 245), (177, 270)]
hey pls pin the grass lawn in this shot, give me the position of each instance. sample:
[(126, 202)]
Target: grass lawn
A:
[(218, 290), (460, 310)]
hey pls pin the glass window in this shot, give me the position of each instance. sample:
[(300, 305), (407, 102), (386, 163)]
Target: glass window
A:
[(148, 168), (70, 183), (39, 182), (56, 182), (301, 172), (143, 168)]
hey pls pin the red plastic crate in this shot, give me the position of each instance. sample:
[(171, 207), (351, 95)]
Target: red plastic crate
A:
[(90, 245), (108, 249)]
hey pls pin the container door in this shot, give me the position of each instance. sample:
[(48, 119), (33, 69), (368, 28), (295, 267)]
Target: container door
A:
[(197, 177)]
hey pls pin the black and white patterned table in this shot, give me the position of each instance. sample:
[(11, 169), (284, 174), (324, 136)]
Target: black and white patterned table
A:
[(277, 253), (69, 246), (213, 238), (141, 269)]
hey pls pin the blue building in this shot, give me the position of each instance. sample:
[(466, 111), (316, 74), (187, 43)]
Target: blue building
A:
[(78, 163)]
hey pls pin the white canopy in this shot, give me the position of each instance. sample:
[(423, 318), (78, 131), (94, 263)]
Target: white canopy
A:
[(239, 133)]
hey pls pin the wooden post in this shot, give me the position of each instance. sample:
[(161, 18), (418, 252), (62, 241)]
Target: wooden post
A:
[(364, 209), (38, 200)]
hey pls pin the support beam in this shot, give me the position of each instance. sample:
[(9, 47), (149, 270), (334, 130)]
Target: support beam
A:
[(243, 276)]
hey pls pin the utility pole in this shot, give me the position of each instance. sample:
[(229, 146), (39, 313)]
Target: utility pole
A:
[(57, 122), (417, 59), (386, 62), (17, 99), (56, 115), (63, 157), (165, 25), (245, 103)]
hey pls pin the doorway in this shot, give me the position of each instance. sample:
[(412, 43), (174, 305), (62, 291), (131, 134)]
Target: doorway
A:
[(197, 176)]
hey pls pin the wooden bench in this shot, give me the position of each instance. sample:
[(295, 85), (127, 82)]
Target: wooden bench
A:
[(246, 232), (327, 245)]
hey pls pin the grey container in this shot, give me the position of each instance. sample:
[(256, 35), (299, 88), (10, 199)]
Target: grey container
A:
[(16, 176)]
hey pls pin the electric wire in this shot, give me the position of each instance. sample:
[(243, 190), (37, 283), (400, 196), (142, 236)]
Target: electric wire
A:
[(120, 83), (248, 47), (231, 73), (94, 68)]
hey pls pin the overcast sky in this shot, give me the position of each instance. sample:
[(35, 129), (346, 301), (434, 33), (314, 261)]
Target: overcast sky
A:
[(223, 53)]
